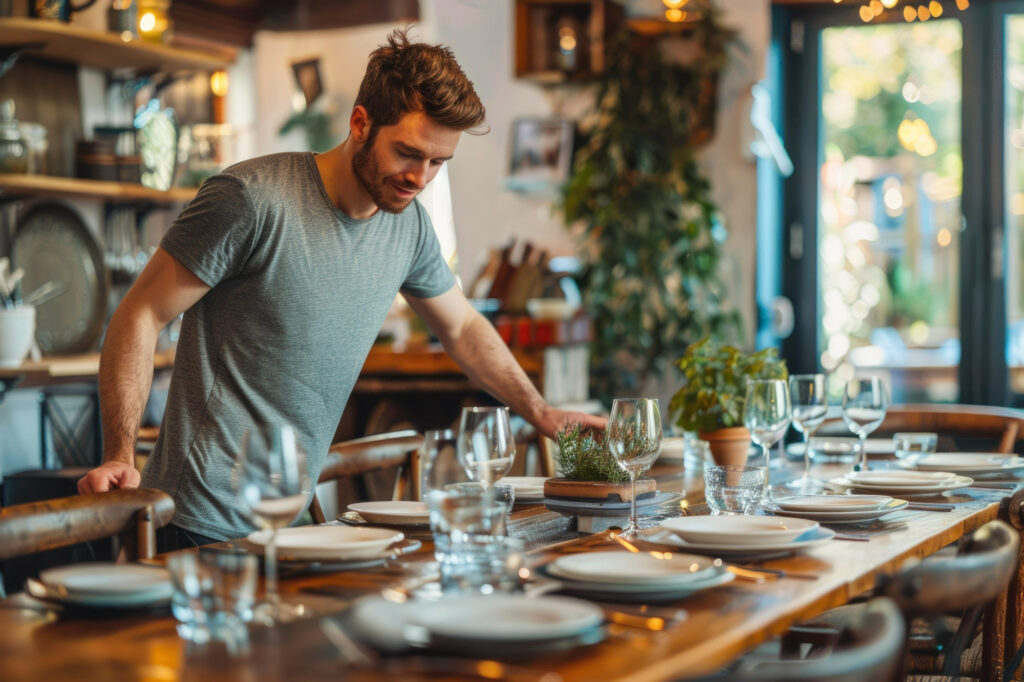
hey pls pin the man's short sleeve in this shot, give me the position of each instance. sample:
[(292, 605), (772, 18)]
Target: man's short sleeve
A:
[(429, 275), (214, 236)]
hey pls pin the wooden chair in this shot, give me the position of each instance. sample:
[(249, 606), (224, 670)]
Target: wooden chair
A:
[(998, 428), (40, 526), (974, 580), (868, 645), (361, 456)]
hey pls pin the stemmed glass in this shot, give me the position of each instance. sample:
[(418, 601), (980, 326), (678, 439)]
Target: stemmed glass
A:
[(766, 414), (485, 446), (864, 405), (273, 485), (810, 404), (633, 435)]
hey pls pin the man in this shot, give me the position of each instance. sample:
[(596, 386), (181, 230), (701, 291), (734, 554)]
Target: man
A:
[(285, 266)]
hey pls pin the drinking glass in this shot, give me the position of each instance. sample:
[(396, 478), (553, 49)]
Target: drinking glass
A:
[(809, 405), (732, 490), (273, 485), (439, 464), (485, 445), (633, 435), (864, 405), (766, 414)]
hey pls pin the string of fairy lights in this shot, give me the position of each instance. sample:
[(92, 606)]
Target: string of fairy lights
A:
[(911, 10)]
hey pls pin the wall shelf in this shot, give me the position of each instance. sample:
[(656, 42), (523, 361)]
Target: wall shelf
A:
[(18, 185), (103, 50)]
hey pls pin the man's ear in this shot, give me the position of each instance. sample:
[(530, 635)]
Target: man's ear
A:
[(359, 123)]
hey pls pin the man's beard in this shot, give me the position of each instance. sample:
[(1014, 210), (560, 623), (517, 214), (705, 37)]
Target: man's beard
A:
[(367, 171)]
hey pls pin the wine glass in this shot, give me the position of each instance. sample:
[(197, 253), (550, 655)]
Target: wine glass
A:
[(766, 414), (485, 446), (633, 435), (864, 405), (809, 405), (274, 487)]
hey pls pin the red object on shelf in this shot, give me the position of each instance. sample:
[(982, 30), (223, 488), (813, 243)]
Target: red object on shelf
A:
[(525, 332)]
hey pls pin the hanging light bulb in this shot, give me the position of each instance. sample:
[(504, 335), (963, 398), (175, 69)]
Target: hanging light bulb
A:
[(909, 14), (889, 4), (673, 4)]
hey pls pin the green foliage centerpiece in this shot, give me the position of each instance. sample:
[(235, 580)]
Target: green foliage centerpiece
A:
[(712, 399), (651, 235), (589, 470)]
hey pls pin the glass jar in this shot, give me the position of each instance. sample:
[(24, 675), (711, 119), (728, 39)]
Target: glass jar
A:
[(13, 150)]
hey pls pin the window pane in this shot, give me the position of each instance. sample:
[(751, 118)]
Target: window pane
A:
[(1014, 192), (889, 200)]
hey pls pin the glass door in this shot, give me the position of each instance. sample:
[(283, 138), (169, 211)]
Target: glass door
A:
[(896, 253)]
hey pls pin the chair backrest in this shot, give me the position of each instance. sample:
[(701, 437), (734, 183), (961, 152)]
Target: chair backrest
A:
[(360, 456), (974, 577), (869, 650), (40, 526), (1002, 427)]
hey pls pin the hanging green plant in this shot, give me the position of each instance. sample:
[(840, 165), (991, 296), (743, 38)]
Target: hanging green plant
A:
[(651, 235)]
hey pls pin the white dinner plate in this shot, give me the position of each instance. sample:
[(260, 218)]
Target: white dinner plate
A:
[(845, 516), (109, 584), (893, 477), (813, 538), (396, 512), (965, 463), (508, 618), (713, 578), (528, 488), (844, 484), (640, 568), (832, 503), (734, 530), (329, 543)]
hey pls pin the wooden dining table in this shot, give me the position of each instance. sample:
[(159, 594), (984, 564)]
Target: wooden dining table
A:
[(720, 624)]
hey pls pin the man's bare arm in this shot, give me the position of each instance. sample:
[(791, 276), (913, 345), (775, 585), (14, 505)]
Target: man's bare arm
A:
[(473, 342), (164, 290)]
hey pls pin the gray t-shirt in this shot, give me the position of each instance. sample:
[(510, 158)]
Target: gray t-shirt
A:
[(299, 294)]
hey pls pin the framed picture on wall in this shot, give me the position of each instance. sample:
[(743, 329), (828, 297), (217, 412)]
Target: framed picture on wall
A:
[(541, 154), (307, 77)]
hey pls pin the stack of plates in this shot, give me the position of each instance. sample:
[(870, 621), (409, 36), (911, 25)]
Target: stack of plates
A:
[(528, 488), (967, 463), (730, 536), (636, 576), (838, 508), (105, 585), (330, 543), (395, 513), (904, 483), (500, 625)]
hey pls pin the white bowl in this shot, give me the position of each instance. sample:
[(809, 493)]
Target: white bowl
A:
[(750, 530)]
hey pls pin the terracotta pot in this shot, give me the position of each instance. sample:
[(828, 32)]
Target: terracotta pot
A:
[(564, 488), (728, 446)]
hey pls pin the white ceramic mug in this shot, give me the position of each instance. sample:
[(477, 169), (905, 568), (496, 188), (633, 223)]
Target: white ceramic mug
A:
[(17, 328)]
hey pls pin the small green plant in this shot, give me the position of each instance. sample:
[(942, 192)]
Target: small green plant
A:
[(583, 455), (716, 384)]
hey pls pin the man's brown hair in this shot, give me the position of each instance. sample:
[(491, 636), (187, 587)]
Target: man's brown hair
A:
[(403, 77)]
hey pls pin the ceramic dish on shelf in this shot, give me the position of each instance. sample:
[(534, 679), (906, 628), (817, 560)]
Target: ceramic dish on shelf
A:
[(737, 530)]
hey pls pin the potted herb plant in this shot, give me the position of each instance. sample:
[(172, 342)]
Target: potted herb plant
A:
[(711, 400), (589, 471)]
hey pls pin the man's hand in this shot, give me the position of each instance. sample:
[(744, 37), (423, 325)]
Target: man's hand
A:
[(108, 476), (552, 421)]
